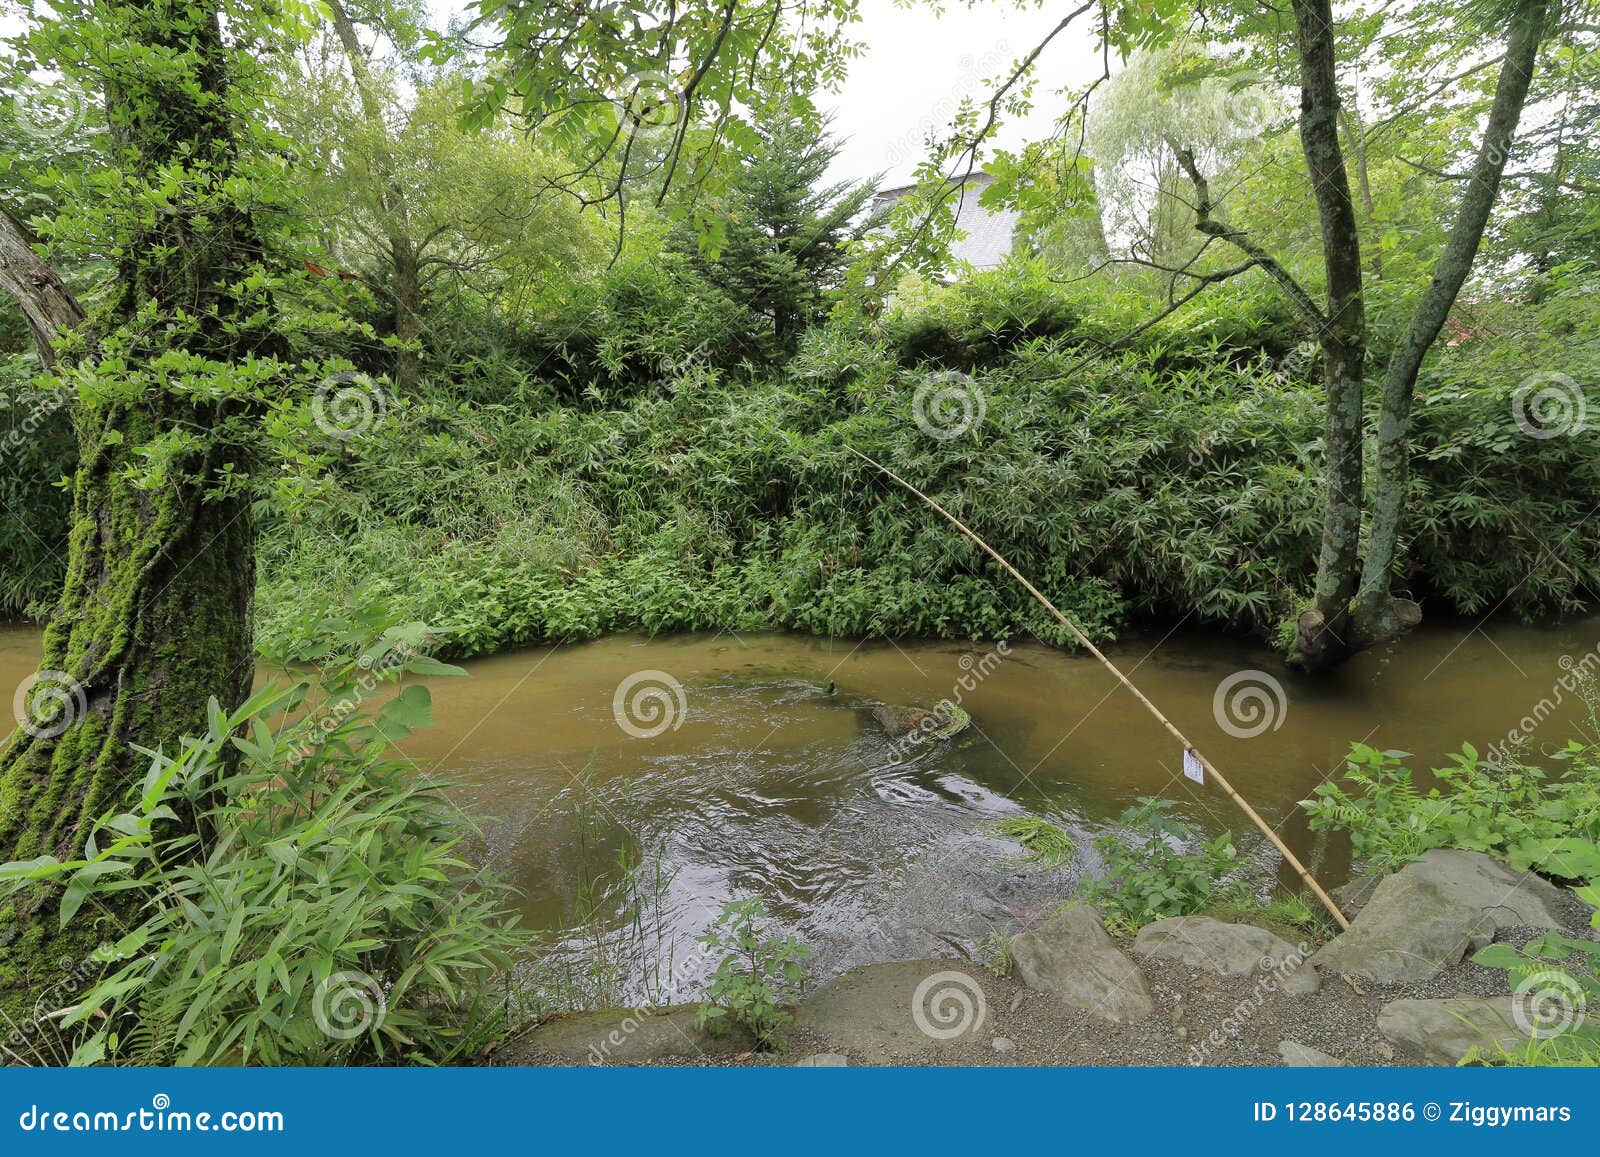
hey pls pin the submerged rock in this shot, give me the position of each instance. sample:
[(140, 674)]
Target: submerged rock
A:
[(1071, 957), (942, 721), (1229, 950), (640, 1036), (1428, 915)]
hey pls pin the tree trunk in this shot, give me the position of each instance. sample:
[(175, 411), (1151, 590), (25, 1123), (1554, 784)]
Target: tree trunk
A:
[(155, 616), (407, 311), (1323, 636), (1356, 134), (48, 306), (1379, 616)]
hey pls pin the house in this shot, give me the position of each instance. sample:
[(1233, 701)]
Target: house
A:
[(984, 235)]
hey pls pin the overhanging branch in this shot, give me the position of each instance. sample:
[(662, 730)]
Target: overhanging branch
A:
[(47, 304), (1241, 240)]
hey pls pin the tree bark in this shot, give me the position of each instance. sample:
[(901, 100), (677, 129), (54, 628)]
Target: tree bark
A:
[(1323, 635), (155, 616), (47, 304), (1379, 616)]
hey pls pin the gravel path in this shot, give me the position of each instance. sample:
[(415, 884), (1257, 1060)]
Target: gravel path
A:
[(1200, 1019)]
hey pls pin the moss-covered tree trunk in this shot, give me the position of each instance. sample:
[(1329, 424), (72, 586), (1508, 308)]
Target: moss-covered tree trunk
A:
[(1323, 636), (154, 620), (155, 616)]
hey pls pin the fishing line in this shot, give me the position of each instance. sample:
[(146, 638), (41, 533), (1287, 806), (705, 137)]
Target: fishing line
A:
[(1189, 749)]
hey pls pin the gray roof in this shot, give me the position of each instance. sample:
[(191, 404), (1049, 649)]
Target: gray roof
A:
[(984, 235)]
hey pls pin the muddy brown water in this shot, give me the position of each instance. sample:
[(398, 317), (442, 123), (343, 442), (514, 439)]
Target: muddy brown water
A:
[(739, 774)]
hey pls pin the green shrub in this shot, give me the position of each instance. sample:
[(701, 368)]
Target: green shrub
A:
[(1512, 810), (1181, 477), (1555, 981), (300, 894), (1155, 866), (758, 976)]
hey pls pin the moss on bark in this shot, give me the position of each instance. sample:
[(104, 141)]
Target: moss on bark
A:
[(154, 619)]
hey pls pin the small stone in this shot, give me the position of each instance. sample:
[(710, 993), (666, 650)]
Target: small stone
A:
[(1353, 897), (1002, 1044), (1297, 1055), (823, 1061), (1016, 1002)]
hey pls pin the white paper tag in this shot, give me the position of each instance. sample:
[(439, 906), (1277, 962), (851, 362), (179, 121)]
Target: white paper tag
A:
[(1192, 767)]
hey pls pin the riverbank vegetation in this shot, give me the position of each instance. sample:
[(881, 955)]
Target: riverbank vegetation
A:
[(562, 322), (294, 895)]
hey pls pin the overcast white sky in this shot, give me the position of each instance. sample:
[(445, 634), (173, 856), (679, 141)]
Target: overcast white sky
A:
[(916, 67)]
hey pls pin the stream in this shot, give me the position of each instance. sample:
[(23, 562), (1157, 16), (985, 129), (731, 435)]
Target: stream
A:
[(727, 769)]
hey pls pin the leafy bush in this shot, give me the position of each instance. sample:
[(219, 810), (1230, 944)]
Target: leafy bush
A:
[(1514, 811), (638, 323), (757, 976), (300, 893), (1556, 980), (1150, 872), (1178, 477)]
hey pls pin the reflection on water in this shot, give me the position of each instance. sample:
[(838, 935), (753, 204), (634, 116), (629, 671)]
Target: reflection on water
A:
[(766, 783)]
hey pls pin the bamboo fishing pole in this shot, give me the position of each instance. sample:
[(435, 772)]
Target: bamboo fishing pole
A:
[(1255, 817)]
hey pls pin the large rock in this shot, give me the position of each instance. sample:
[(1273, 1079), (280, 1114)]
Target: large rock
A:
[(1440, 1032), (1507, 897), (1426, 917), (1071, 957), (1353, 896), (882, 1013), (620, 1036), (1229, 950)]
